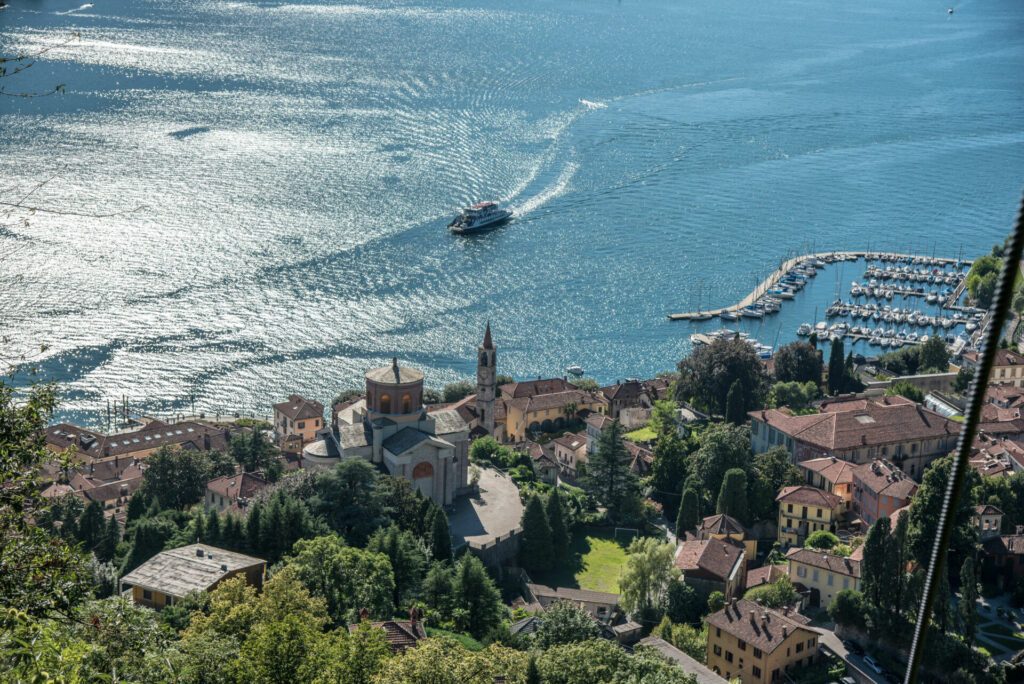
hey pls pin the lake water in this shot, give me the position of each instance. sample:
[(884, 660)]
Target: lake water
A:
[(281, 176)]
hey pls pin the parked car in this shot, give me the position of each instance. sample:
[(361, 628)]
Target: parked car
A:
[(873, 664), (853, 647)]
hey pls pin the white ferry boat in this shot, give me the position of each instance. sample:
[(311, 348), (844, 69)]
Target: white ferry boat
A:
[(479, 217)]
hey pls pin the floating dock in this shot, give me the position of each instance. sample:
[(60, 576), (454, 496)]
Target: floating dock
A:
[(773, 279)]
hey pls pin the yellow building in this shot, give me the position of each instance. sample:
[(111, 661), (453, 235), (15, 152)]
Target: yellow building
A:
[(727, 527), (757, 645), (1007, 367), (548, 412), (825, 574), (804, 510), (172, 575), (299, 417)]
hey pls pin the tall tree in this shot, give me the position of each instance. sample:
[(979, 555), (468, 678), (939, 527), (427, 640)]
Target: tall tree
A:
[(90, 525), (176, 476), (408, 560), (566, 623), (347, 579), (560, 538), (934, 355), (736, 404), (836, 367), (649, 572), (967, 608), (926, 506), (348, 499), (876, 569), (798, 362), (535, 550), (732, 496), (477, 599), (609, 478), (689, 511), (107, 546), (670, 467), (27, 548), (722, 447), (773, 470), (440, 537), (707, 374)]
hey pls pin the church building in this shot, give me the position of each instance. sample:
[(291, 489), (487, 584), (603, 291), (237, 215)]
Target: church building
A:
[(390, 427)]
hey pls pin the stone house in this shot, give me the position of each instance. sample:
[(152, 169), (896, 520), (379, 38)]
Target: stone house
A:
[(298, 418), (804, 510), (710, 565), (879, 489), (824, 574), (172, 575)]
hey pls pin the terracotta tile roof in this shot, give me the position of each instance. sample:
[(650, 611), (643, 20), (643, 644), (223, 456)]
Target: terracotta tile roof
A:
[(826, 561), (543, 402), (991, 413), (299, 408), (625, 391), (1006, 545), (598, 420), (714, 558), (883, 478), (56, 490), (700, 672), (1007, 357), (834, 470), (234, 487), (97, 446), (764, 575), (808, 496), (1004, 394), (854, 423), (112, 491), (571, 441), (531, 388), (858, 553), (721, 524), (762, 628), (401, 634), (987, 509), (894, 519)]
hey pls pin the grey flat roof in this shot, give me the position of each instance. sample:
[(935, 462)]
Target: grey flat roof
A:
[(353, 436), (177, 572), (408, 438)]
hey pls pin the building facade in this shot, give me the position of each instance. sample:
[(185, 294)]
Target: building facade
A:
[(805, 510), (824, 574), (298, 418), (758, 645), (880, 489), (172, 575)]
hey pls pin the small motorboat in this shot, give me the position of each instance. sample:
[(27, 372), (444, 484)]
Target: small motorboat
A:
[(804, 330), (574, 370), (728, 316)]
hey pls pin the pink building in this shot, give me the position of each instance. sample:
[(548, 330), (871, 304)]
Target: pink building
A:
[(879, 490)]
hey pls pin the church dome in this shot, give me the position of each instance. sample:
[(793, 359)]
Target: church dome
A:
[(394, 390)]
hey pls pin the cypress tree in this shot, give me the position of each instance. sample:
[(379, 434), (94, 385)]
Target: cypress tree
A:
[(535, 549), (735, 404), (213, 528), (532, 674), (836, 367), (441, 537), (107, 546), (200, 526), (968, 598), (689, 511), (732, 497), (90, 525), (875, 569), (136, 507), (252, 527), (560, 538), (233, 536)]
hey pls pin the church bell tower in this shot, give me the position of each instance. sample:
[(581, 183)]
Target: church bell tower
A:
[(486, 381)]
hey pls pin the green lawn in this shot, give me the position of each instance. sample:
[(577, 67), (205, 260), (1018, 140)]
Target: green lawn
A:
[(644, 434), (596, 562)]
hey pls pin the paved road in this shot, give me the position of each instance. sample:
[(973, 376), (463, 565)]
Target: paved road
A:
[(855, 665)]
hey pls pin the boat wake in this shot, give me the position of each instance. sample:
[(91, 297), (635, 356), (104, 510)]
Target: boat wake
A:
[(77, 9), (549, 193), (590, 104)]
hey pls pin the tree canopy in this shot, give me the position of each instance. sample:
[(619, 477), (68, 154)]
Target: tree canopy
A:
[(798, 362), (707, 375)]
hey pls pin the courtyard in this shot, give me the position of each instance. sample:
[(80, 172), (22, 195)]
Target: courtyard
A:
[(495, 511)]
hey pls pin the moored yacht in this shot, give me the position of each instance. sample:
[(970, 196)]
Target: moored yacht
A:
[(479, 217)]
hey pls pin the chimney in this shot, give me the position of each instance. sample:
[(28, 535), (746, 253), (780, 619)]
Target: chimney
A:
[(223, 567), (785, 631), (199, 553), (1020, 529), (753, 617), (412, 615)]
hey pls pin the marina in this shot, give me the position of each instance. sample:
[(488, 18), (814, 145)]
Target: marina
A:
[(783, 283)]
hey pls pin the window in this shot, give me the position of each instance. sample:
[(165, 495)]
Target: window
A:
[(742, 644), (804, 514), (406, 403), (800, 647), (757, 653), (819, 513), (385, 403), (830, 578), (789, 508), (718, 631), (718, 650), (147, 595), (757, 672), (810, 643), (728, 656), (846, 583), (302, 424), (815, 574), (801, 571)]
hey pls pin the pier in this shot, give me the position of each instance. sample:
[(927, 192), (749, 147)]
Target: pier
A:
[(829, 257)]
